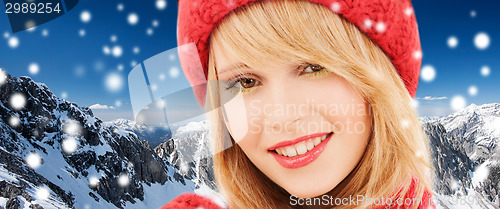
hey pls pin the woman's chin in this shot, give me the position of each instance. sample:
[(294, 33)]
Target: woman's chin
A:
[(310, 191)]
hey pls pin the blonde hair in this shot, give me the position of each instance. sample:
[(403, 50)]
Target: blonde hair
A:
[(267, 31)]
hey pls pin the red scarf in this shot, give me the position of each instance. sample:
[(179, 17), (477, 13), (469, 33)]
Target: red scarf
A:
[(194, 201)]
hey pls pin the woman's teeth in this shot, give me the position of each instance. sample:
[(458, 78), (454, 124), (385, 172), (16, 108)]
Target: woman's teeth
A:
[(301, 147)]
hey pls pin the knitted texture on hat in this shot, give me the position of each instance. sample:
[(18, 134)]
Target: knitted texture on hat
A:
[(391, 24)]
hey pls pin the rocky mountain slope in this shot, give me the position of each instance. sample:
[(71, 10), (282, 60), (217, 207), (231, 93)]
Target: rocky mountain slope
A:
[(55, 154)]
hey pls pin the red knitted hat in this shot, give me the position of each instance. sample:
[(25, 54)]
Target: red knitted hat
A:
[(389, 23)]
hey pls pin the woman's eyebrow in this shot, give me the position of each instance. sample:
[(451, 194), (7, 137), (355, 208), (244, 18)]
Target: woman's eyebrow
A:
[(233, 67)]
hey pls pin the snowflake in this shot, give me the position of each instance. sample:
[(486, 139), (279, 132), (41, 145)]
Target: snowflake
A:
[(33, 68), (417, 54), (117, 51), (335, 7), (485, 71), (17, 101), (33, 160), (452, 42), (120, 7), (69, 145), (13, 42), (72, 128), (114, 82), (149, 31), (45, 32), (428, 73), (473, 90), (14, 121), (123, 180), (3, 77), (42, 193), (133, 19), (113, 38), (482, 41), (118, 103), (136, 50), (155, 23), (380, 27), (161, 4), (93, 181), (82, 32), (457, 103), (174, 72), (106, 50), (85, 16), (64, 95)]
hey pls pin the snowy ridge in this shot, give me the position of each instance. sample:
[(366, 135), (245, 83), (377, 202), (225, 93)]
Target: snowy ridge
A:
[(55, 154), (465, 148)]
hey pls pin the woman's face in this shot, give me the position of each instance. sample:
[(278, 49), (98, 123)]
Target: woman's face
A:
[(301, 125)]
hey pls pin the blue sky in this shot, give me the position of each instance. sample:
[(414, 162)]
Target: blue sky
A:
[(76, 67)]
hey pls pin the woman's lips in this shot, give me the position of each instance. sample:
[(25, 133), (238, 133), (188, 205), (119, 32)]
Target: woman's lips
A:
[(300, 152)]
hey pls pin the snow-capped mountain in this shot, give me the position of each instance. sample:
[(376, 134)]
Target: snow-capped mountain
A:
[(466, 148), (55, 154), (189, 150), (154, 135)]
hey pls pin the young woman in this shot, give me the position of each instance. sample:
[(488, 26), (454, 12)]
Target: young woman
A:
[(315, 101)]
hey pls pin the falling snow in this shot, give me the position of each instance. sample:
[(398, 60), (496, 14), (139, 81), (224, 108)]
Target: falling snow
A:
[(42, 193), (64, 95), (117, 51), (123, 180), (33, 68), (155, 23), (93, 181), (118, 103), (428, 73), (13, 42), (14, 121), (6, 35), (380, 27), (473, 13), (149, 31), (482, 41), (485, 71), (457, 103), (368, 23), (120, 7), (120, 67), (174, 72), (85, 16), (414, 103), (452, 42), (132, 19), (417, 54), (45, 32), (113, 38), (114, 82), (3, 77), (82, 33), (33, 160), (480, 174), (17, 101), (106, 50), (136, 50), (69, 145), (335, 7), (161, 4), (473, 90), (72, 128), (408, 11)]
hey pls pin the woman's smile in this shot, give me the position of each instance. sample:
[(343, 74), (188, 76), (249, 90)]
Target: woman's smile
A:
[(301, 151)]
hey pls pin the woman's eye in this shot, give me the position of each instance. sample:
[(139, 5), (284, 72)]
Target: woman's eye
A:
[(246, 83), (313, 68)]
